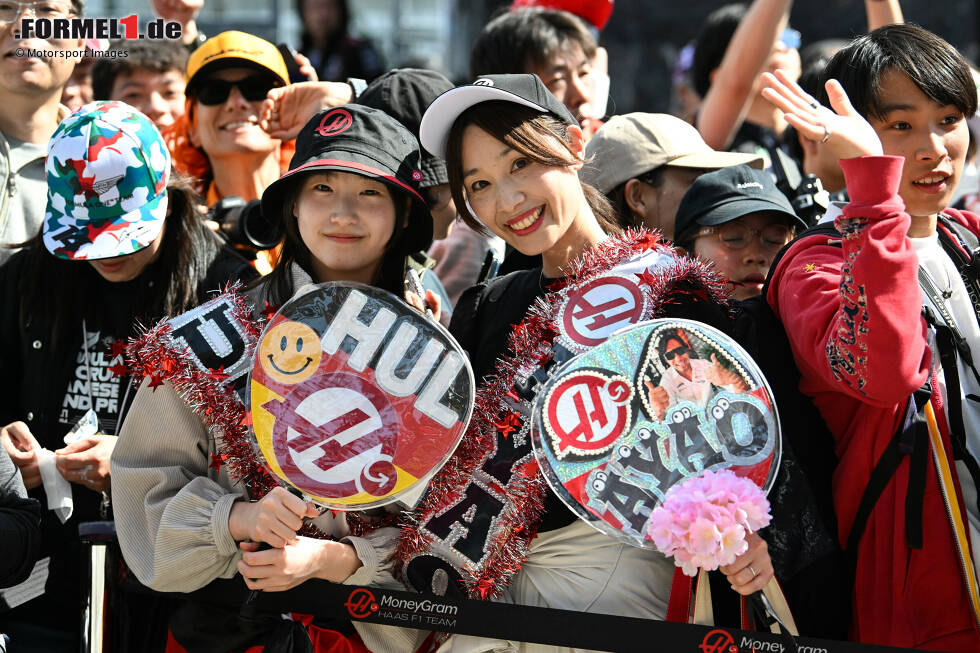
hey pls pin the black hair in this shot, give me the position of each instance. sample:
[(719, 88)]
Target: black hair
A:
[(617, 196), (156, 56), (711, 43), (932, 64), (306, 39), (541, 137), (57, 289), (516, 40), (279, 283), (673, 334)]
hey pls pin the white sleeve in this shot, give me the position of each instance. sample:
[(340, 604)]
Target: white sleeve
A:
[(171, 509)]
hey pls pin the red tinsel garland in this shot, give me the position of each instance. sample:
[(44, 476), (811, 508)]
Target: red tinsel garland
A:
[(153, 354), (531, 343)]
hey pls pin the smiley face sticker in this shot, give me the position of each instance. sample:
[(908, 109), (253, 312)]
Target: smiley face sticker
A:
[(290, 352)]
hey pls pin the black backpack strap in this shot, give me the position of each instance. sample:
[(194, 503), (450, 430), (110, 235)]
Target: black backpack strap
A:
[(948, 342), (910, 439)]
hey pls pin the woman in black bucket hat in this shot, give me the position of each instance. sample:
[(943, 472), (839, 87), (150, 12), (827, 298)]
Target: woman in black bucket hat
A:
[(353, 211)]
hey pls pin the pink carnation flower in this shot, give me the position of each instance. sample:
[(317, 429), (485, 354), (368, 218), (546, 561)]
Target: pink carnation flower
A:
[(703, 521)]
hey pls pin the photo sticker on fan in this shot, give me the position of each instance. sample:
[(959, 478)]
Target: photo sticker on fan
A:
[(357, 398), (665, 400)]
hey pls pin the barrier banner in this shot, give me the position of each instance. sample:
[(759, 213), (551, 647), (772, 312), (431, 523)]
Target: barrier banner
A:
[(519, 623)]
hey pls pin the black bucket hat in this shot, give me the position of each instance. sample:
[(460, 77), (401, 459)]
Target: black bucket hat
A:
[(404, 93), (365, 141)]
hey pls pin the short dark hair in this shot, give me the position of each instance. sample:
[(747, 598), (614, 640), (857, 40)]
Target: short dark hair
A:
[(278, 284), (711, 43), (517, 40), (617, 196), (932, 64), (158, 56)]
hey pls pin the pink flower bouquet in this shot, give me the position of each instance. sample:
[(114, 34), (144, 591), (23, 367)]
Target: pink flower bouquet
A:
[(704, 520)]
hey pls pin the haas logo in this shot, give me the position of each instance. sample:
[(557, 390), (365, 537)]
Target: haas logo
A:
[(599, 308), (718, 641), (361, 603), (333, 435), (335, 122), (587, 412)]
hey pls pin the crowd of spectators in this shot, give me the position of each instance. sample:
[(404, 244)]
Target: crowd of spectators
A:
[(822, 188)]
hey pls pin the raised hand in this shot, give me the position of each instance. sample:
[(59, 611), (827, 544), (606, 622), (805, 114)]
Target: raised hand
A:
[(273, 520), (287, 108), (22, 448), (720, 375), (432, 302), (659, 399), (86, 461), (842, 129)]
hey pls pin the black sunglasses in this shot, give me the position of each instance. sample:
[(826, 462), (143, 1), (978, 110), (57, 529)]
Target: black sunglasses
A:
[(253, 88), (676, 351)]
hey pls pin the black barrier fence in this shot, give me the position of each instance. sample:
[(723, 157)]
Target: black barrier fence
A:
[(520, 623)]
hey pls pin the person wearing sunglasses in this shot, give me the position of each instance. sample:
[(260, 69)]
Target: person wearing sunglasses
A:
[(736, 219), (219, 139), (687, 377)]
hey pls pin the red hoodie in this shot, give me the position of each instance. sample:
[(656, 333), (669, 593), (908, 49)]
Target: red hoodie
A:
[(853, 317)]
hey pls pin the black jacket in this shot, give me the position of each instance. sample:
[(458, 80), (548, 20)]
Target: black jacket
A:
[(37, 369)]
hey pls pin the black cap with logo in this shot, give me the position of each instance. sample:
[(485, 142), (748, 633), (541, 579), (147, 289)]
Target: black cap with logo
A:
[(525, 89), (729, 193), (404, 93), (365, 141)]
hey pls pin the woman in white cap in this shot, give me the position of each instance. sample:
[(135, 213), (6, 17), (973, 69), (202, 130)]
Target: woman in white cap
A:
[(513, 153)]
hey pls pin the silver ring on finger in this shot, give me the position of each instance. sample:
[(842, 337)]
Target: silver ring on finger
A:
[(826, 134), (754, 572)]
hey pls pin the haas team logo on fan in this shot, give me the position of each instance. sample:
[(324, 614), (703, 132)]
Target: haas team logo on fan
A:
[(586, 411), (357, 398)]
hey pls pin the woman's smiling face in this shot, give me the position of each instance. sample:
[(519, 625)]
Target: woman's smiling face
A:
[(346, 221), (231, 127), (528, 204)]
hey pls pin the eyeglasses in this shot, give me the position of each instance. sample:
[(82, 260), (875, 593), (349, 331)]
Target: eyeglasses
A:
[(253, 88), (791, 38), (735, 235), (9, 11), (676, 351)]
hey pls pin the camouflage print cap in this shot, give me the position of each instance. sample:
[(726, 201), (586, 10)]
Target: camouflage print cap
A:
[(107, 170)]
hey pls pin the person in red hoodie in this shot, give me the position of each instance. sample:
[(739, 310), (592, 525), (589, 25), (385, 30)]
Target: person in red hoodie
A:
[(853, 305)]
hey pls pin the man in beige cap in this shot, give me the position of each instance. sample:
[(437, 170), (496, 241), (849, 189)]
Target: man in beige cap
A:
[(645, 162)]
